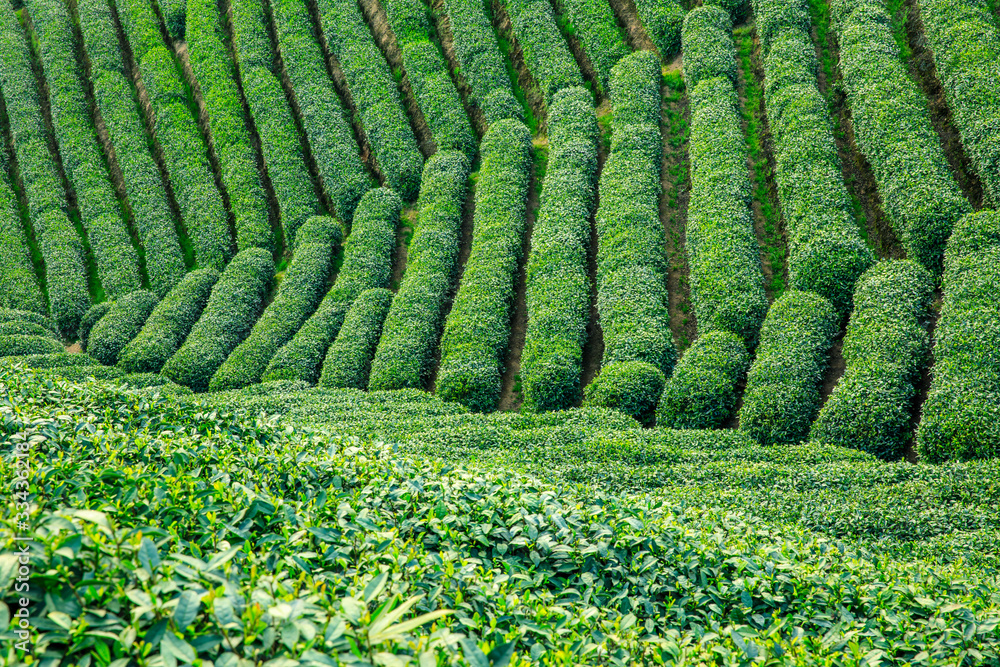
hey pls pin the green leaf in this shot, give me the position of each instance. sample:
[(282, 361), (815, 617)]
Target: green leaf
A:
[(375, 586), (187, 609), (8, 568), (473, 654)]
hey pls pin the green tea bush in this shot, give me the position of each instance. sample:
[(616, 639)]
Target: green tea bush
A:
[(594, 24), (886, 348), (545, 52), (893, 130), (663, 20), (404, 355), (375, 95), (122, 323), (51, 360), (322, 229), (965, 41), (144, 187), (737, 9), (298, 295), (16, 345), (961, 416), (557, 271), (226, 320), (709, 51), (22, 328), (702, 391), (367, 265), (631, 387), (348, 363), (15, 315), (169, 324), (782, 393), (477, 330), (89, 319), (19, 286), (175, 16)]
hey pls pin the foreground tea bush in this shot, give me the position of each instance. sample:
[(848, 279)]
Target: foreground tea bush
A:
[(702, 391), (18, 344), (122, 323)]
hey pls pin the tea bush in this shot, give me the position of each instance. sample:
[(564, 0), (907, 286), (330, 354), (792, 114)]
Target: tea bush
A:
[(594, 24), (117, 328), (348, 363), (702, 391), (545, 52)]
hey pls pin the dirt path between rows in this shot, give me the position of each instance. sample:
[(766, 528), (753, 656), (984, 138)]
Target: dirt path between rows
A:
[(593, 349), (628, 19)]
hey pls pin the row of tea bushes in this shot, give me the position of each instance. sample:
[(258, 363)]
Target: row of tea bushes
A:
[(593, 22), (663, 20), (26, 334), (348, 363), (545, 52), (19, 286), (122, 321)]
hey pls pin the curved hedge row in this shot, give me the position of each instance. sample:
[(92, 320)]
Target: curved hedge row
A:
[(116, 259), (893, 130), (885, 350), (52, 360), (349, 360), (89, 319), (327, 128), (226, 320), (144, 188), (826, 252), (184, 151), (557, 272), (367, 264), (546, 54), (23, 328), (122, 322), (16, 315), (964, 37), (595, 25), (376, 97), (213, 70), (961, 416), (60, 245), (19, 287), (20, 345), (662, 20), (404, 354), (631, 387), (481, 62), (701, 393), (477, 330), (319, 229), (169, 324), (782, 394), (175, 16)]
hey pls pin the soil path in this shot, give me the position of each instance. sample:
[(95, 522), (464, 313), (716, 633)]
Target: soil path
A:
[(593, 349)]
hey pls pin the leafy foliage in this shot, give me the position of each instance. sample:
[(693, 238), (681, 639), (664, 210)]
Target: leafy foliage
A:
[(545, 51), (19, 286), (663, 20), (594, 23), (18, 344), (632, 387), (89, 319), (702, 391), (15, 315), (117, 328), (349, 360)]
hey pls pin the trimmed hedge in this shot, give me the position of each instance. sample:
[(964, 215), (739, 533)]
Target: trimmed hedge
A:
[(89, 319), (226, 320), (298, 295), (60, 245), (594, 23), (19, 287), (545, 52), (175, 16), (51, 360), (367, 264), (482, 65), (184, 151), (893, 130), (826, 254), (662, 20), (326, 124), (122, 323), (22, 328), (319, 229), (169, 324), (709, 51), (782, 394), (964, 37), (557, 272), (214, 72), (82, 161), (961, 416), (405, 351), (631, 387), (702, 391), (15, 315), (144, 188), (737, 9), (349, 360), (18, 345), (477, 330), (885, 350), (376, 97)]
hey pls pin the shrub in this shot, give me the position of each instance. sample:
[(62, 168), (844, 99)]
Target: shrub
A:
[(885, 349), (709, 51), (175, 15), (631, 387), (662, 20), (477, 330), (89, 319), (961, 416), (22, 328), (169, 324), (594, 24), (19, 287), (322, 229), (349, 360), (557, 272), (782, 394), (545, 51), (15, 315), (701, 392), (367, 264), (81, 373), (119, 326), (893, 130), (17, 345), (51, 360), (736, 9), (411, 330)]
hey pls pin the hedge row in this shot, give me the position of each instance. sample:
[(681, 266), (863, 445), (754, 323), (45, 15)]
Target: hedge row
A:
[(376, 97), (662, 20), (52, 360), (19, 287), (89, 319), (885, 350), (120, 324), (477, 330), (213, 70), (330, 135), (405, 351), (427, 71), (893, 130), (16, 315), (298, 295), (175, 16), (826, 252), (557, 273), (367, 264), (546, 54), (702, 391), (961, 416), (782, 393), (169, 324), (60, 245), (144, 187), (226, 320), (349, 360), (319, 229), (594, 23), (709, 51), (184, 151), (631, 260), (23, 328), (482, 65), (966, 44), (18, 345)]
